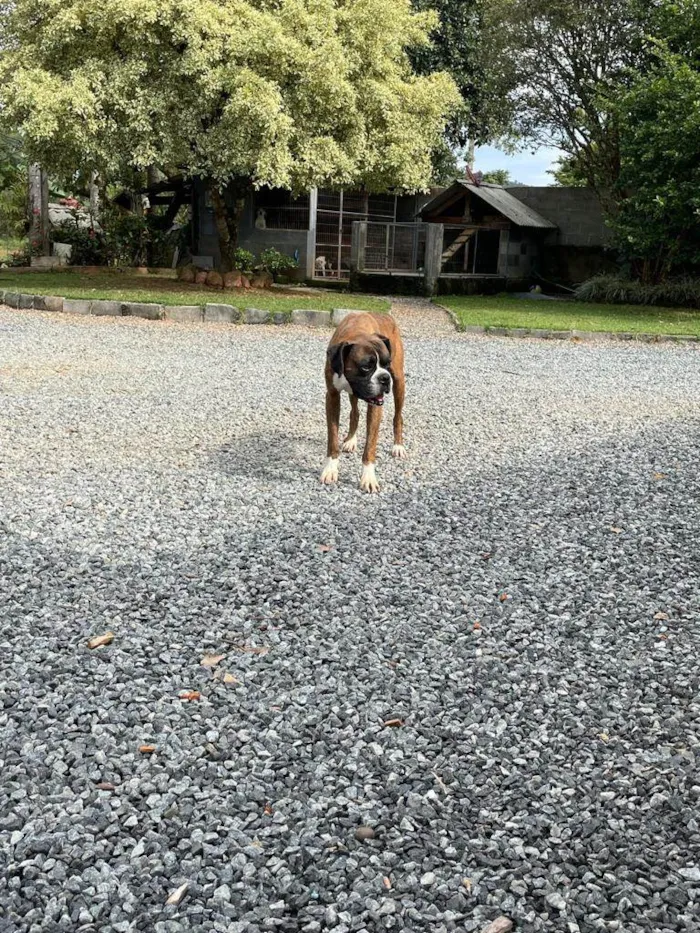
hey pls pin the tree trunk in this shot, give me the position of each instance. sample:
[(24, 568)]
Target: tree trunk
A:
[(94, 196), (228, 217), (38, 211)]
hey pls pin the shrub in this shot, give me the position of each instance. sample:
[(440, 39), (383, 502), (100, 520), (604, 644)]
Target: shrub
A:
[(88, 247), (613, 289), (271, 260), (243, 260)]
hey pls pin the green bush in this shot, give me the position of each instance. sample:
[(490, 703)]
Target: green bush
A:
[(88, 247), (271, 260), (243, 260), (612, 289)]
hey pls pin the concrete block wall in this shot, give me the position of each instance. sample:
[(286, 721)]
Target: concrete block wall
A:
[(577, 212)]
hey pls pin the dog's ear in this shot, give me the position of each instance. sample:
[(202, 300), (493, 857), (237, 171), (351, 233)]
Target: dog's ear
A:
[(386, 341), (336, 356)]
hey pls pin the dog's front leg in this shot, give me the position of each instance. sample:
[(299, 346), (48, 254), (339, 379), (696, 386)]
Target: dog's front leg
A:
[(330, 471), (368, 480)]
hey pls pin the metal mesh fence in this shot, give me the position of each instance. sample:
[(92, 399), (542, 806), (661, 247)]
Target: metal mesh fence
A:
[(395, 247)]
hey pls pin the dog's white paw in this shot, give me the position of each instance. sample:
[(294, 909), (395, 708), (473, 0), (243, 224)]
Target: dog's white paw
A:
[(350, 445), (399, 451), (330, 472), (368, 480)]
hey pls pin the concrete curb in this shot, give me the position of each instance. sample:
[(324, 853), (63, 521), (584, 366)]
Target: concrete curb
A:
[(575, 335), (180, 314)]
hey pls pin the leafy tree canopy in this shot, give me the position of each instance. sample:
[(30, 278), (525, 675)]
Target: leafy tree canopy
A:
[(288, 93)]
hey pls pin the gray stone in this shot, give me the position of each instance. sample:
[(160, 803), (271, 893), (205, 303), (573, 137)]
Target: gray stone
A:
[(184, 314), (497, 331), (339, 314), (280, 317), (560, 335), (76, 306), (109, 308), (12, 299), (473, 329), (151, 312), (691, 874), (221, 314), (542, 334), (25, 301), (256, 316), (312, 318), (50, 303), (519, 332)]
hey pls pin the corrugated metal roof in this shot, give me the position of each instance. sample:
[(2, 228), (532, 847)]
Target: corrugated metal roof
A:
[(503, 201)]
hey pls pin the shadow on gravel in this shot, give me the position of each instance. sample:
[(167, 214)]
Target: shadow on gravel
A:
[(270, 456)]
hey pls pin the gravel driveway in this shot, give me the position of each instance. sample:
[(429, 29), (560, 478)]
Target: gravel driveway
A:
[(523, 598)]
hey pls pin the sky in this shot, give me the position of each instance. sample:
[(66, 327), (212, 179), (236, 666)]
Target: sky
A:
[(525, 167)]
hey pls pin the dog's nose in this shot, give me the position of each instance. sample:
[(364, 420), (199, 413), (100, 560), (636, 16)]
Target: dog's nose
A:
[(385, 381)]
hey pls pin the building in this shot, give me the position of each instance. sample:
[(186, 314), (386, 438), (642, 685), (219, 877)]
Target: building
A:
[(469, 237)]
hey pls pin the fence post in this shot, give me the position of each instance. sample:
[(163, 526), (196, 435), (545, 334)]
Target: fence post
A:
[(359, 246), (434, 236), (311, 234)]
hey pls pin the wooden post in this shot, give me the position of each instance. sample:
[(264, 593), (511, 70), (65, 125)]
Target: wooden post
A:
[(311, 236), (433, 256), (38, 211), (359, 246)]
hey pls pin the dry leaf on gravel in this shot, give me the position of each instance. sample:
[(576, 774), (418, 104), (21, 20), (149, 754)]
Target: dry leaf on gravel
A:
[(393, 723), (147, 749), (211, 660), (325, 548), (658, 476), (178, 894), (105, 785), (617, 531), (503, 597), (100, 640), (661, 616), (387, 883), (190, 695), (230, 679), (252, 649)]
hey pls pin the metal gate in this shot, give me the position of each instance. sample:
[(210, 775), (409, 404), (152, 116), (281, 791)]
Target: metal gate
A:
[(336, 212)]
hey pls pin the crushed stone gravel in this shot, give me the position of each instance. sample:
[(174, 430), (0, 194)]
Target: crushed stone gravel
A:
[(523, 596)]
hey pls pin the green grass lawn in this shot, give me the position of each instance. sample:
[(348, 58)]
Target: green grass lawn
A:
[(169, 291), (504, 311)]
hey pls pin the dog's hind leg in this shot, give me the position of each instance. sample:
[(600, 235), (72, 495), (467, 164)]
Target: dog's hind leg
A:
[(350, 442)]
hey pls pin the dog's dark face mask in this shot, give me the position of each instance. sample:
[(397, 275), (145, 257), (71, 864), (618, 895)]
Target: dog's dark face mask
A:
[(362, 368)]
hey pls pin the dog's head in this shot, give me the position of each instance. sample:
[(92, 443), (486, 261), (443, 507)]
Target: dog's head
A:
[(364, 365)]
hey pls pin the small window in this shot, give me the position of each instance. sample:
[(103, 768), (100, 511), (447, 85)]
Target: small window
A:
[(276, 209)]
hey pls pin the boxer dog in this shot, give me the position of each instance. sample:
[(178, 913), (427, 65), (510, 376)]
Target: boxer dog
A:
[(365, 357)]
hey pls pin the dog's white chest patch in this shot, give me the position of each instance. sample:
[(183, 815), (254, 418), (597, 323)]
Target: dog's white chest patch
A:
[(341, 384)]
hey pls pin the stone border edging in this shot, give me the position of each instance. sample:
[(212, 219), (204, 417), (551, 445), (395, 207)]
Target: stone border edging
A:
[(184, 314), (585, 335)]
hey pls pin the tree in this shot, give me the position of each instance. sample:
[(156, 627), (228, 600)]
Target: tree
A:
[(286, 93), (457, 47), (658, 220), (561, 64), (501, 176)]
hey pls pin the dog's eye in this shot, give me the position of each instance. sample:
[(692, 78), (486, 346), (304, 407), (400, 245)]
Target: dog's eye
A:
[(367, 366)]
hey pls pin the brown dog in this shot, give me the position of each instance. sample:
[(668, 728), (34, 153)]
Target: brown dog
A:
[(365, 356)]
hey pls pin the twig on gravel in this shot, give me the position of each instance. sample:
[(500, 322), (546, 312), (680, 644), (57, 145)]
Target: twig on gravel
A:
[(445, 788)]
